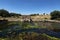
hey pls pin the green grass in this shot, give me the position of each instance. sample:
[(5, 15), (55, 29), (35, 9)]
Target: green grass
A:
[(33, 35), (27, 26), (51, 38)]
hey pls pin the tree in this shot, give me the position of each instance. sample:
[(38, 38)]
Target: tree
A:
[(15, 15), (55, 14), (4, 13)]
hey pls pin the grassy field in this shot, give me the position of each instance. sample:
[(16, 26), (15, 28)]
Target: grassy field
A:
[(28, 36), (31, 36)]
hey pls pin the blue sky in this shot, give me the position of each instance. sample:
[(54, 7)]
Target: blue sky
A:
[(30, 6)]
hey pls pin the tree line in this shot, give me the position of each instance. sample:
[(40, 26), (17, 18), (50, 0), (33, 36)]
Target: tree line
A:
[(54, 14), (5, 13)]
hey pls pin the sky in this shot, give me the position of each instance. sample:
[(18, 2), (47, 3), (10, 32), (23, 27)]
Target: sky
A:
[(27, 7)]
